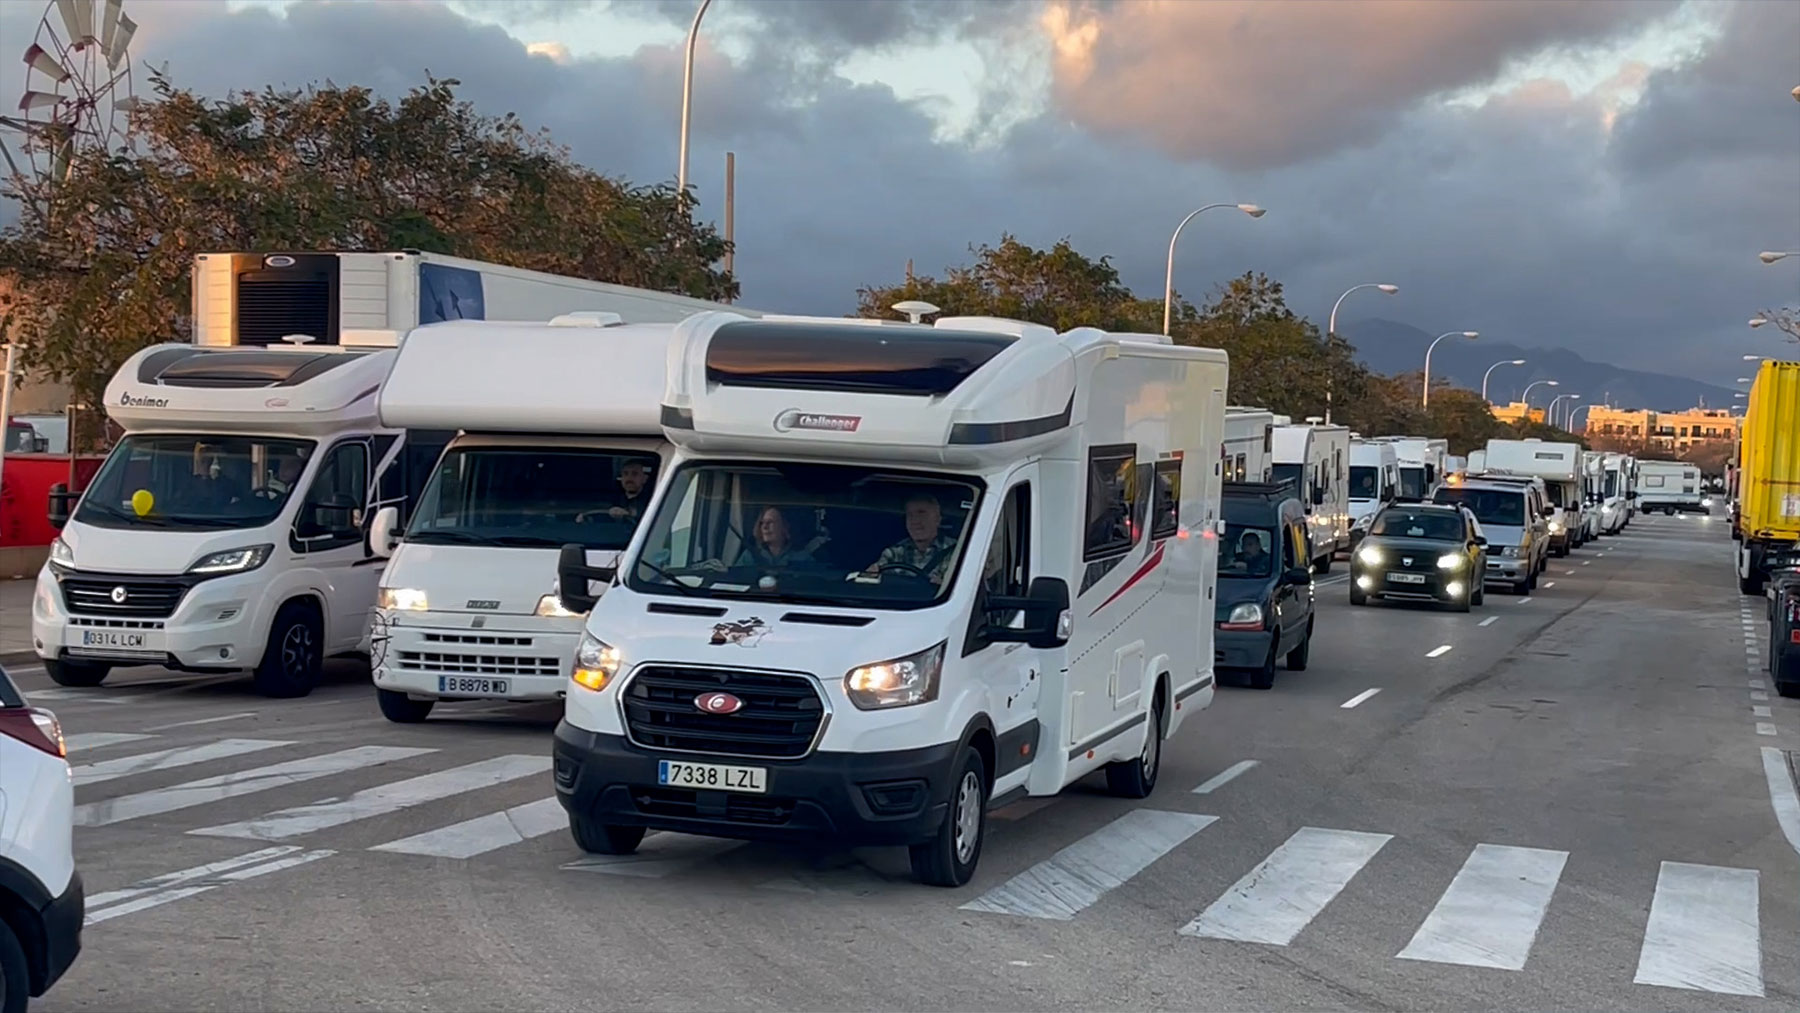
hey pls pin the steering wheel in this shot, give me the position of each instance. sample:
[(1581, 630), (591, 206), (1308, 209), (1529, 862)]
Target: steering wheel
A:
[(917, 572)]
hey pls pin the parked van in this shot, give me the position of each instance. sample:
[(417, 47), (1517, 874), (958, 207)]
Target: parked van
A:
[(1559, 466), (1510, 511), (1265, 607), (1615, 493), (1315, 458), (1019, 536), (1374, 482), (1670, 487), (1593, 494), (543, 456)]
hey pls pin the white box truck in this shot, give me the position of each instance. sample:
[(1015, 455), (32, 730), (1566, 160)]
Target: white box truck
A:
[(1559, 465), (1670, 487), (1022, 532), (1315, 458)]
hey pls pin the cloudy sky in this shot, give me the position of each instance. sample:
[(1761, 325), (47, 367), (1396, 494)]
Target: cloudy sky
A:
[(1597, 175)]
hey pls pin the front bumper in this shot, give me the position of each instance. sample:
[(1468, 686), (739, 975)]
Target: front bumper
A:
[(856, 799), (441, 661), (1373, 580), (217, 625), (62, 919), (1240, 648), (1510, 570)]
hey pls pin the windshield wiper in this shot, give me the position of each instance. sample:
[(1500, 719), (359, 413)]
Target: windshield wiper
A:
[(669, 578), (120, 515), (450, 537)]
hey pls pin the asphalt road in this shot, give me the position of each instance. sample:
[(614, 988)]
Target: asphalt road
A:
[(1570, 807)]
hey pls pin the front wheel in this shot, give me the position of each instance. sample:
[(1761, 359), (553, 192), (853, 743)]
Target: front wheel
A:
[(402, 709), (1137, 778), (1323, 563), (1264, 677), (950, 856), (1357, 597), (15, 981), (597, 838), (1296, 658), (293, 658), (76, 673)]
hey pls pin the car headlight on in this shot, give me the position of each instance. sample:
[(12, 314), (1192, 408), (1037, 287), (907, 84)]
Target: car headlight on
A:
[(402, 599), (1450, 561), (901, 682), (233, 560), (550, 606), (61, 555), (596, 663), (1369, 555), (1247, 615), (1555, 527)]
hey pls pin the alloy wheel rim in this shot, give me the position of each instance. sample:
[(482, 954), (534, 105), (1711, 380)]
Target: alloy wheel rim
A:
[(296, 650), (968, 816)]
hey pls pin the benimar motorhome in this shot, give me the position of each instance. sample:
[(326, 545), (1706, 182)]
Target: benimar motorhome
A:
[(544, 455), (224, 532), (1316, 458), (1001, 539), (1245, 453)]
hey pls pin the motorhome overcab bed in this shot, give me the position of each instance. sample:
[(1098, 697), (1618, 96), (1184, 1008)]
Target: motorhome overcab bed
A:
[(998, 540), (1315, 458), (557, 441), (224, 532)]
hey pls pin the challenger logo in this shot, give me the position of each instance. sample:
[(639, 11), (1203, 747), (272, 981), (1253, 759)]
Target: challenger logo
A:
[(794, 418)]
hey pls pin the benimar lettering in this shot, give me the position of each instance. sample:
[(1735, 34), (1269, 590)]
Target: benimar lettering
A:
[(130, 400)]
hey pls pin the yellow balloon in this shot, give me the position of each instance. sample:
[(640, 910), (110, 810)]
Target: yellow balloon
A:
[(142, 501)]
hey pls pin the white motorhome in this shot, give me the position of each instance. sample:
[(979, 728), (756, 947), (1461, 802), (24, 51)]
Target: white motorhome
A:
[(1671, 487), (1423, 465), (1477, 462), (1593, 494), (1315, 457), (1559, 465), (1245, 451), (1374, 482), (1020, 533), (1615, 489), (224, 532), (258, 298), (544, 455)]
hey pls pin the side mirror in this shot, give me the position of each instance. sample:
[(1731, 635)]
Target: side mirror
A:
[(573, 574), (1631, 495), (1549, 511), (62, 503), (1298, 576), (1481, 540), (1048, 621), (381, 531)]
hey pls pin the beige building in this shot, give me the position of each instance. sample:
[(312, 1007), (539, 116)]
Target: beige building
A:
[(1670, 430), (1514, 413)]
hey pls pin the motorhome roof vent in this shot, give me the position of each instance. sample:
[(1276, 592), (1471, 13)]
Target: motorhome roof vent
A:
[(587, 318), (1313, 420), (298, 339), (842, 358)]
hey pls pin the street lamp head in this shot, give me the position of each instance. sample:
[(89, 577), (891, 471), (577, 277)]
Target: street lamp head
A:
[(1387, 289), (1755, 358), (1471, 335), (1745, 379), (1756, 322), (1554, 383), (1252, 210), (1518, 362), (1771, 256)]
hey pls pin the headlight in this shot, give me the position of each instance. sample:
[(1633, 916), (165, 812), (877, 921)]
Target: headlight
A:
[(233, 560), (1369, 555), (61, 555), (401, 599), (901, 682), (596, 663), (1509, 551), (551, 607), (1450, 561), (1246, 613), (1555, 526)]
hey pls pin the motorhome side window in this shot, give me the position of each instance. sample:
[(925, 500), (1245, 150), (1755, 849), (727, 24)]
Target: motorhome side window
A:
[(194, 482), (331, 514), (1165, 514), (806, 533), (1112, 481), (1007, 570), (498, 494)]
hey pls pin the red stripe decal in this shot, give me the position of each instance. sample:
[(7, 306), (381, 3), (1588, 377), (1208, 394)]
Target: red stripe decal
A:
[(1149, 564)]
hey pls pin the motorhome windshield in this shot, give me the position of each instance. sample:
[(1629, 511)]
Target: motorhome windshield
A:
[(1612, 484), (1363, 482), (534, 496), (194, 481), (1412, 481), (822, 534), (1499, 507), (1246, 552)]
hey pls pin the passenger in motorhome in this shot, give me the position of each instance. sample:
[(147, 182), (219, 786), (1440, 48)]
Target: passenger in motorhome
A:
[(924, 549), (287, 472), (772, 545)]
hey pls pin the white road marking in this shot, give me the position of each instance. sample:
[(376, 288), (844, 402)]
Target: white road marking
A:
[(1756, 684), (1224, 777), (1438, 652), (1359, 698), (659, 856), (238, 875), (1489, 621), (1288, 889), (100, 740), (72, 696), (1765, 728), (484, 833), (1523, 601), (1760, 712), (1704, 932), (204, 721), (1066, 883), (243, 782), (1549, 583), (1759, 695), (1587, 562), (1489, 916), (167, 759), (166, 880), (382, 799), (1782, 795)]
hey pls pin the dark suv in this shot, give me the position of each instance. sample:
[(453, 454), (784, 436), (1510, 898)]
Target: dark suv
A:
[(1420, 552)]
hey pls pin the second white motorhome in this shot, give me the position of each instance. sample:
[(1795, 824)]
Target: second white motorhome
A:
[(1423, 465), (1315, 458), (558, 441), (1671, 487), (1559, 465), (1245, 453), (1020, 531), (1374, 482)]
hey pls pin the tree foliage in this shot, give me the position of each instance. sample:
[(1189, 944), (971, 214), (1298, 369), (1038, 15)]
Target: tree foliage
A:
[(102, 260), (1785, 319)]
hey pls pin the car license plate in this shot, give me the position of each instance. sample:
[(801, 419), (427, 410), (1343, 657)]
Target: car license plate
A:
[(712, 776), (118, 640), (469, 686), (1406, 578)]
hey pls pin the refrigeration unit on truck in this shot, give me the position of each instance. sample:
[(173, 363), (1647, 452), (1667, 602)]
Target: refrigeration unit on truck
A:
[(1766, 515), (260, 298), (224, 531), (556, 441), (1245, 451), (1374, 482), (1422, 465), (1559, 465), (1015, 532), (1315, 458), (1670, 487)]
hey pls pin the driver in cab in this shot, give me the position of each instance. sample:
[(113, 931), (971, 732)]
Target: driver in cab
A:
[(924, 552), (1251, 556)]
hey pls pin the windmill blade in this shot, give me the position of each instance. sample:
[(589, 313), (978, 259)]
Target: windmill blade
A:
[(129, 103), (122, 38), (109, 24), (78, 21), (39, 59), (38, 100)]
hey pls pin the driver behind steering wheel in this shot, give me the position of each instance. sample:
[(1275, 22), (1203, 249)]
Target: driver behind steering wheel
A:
[(925, 550)]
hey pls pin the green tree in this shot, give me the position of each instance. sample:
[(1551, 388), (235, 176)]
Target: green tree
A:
[(1278, 359), (101, 260)]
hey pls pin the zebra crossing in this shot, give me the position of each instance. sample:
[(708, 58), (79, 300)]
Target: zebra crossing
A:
[(1701, 929)]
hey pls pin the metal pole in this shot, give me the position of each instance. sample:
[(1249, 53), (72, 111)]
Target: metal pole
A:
[(1490, 372), (1331, 334), (1425, 389), (687, 94), (12, 353), (1169, 274), (730, 211)]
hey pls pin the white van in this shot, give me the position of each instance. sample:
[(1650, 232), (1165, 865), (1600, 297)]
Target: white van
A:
[(1593, 494), (1012, 531), (1374, 482), (1559, 465), (224, 532), (544, 455), (1245, 452), (1422, 464), (1315, 458)]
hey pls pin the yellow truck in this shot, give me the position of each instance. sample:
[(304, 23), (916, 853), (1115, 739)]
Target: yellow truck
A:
[(1766, 517)]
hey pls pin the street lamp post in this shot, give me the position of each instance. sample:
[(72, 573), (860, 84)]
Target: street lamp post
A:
[(687, 94), (1526, 397), (1425, 391), (1569, 424), (1169, 277), (1331, 330), (1550, 416), (1490, 372)]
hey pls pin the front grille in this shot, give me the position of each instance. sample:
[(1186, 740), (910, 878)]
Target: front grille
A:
[(477, 664), (480, 639), (1422, 562), (762, 810), (780, 718), (267, 311), (143, 599)]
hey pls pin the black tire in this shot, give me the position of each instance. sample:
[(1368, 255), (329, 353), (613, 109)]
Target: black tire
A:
[(402, 709), (950, 856), (1357, 597), (1323, 563), (1464, 603), (76, 673), (1137, 778), (1791, 690), (15, 979), (1296, 658), (1522, 588), (1531, 584), (1264, 677), (597, 838), (1751, 585), (1480, 593), (294, 655)]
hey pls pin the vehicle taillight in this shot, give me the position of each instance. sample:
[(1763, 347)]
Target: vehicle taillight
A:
[(34, 726)]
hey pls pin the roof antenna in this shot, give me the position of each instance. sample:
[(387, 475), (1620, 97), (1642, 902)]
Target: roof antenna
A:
[(914, 309)]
